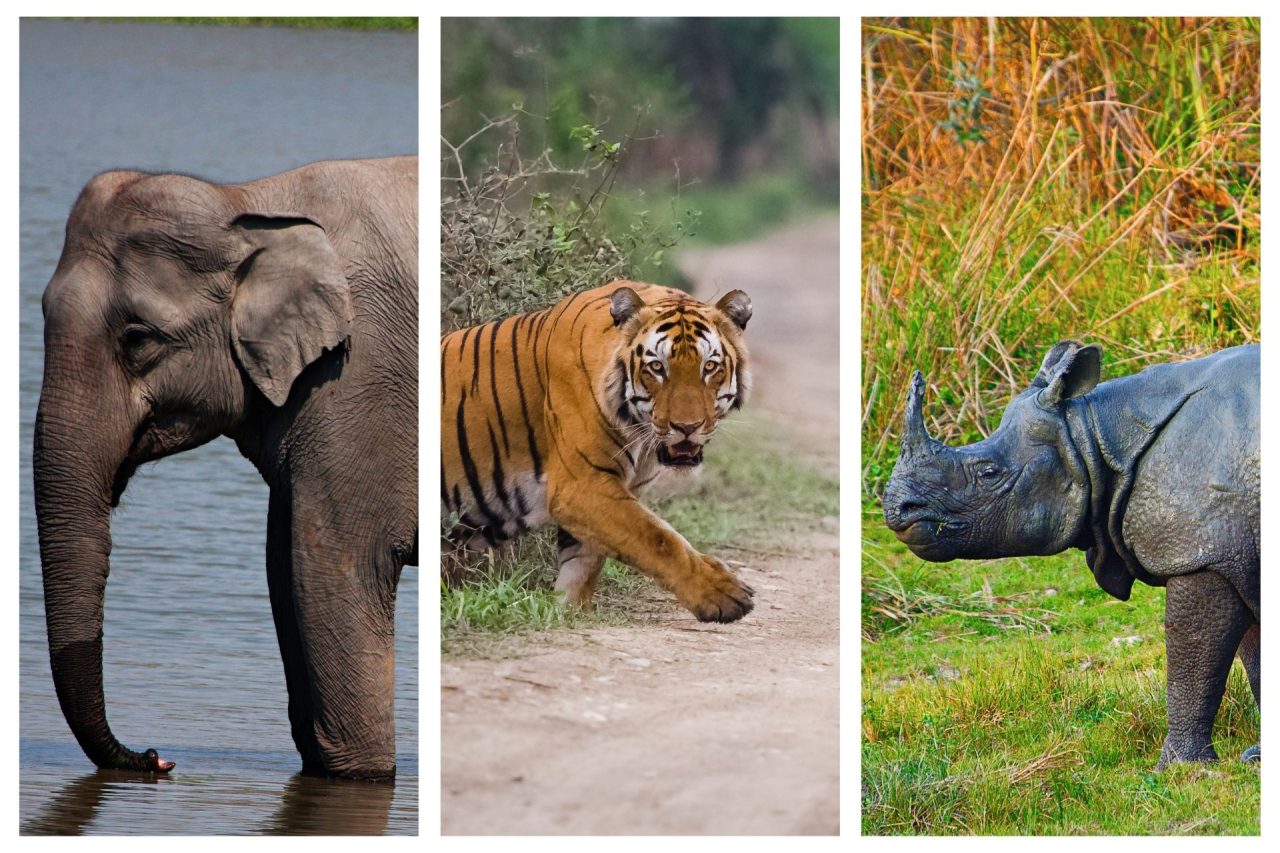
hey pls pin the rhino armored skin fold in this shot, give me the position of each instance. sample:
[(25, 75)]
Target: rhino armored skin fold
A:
[(1155, 476)]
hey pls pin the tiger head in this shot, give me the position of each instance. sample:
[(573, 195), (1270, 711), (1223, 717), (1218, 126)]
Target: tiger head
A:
[(681, 367)]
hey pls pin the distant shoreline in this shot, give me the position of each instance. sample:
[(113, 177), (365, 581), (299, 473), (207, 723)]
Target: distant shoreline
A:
[(371, 24)]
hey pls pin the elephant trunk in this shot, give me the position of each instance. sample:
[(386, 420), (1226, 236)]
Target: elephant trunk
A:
[(74, 472)]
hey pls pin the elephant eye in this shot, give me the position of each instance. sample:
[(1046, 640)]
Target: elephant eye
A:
[(135, 335)]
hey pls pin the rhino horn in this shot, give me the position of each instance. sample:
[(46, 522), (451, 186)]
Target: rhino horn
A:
[(915, 435)]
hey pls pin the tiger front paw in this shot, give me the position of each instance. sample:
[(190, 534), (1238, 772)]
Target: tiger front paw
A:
[(717, 595)]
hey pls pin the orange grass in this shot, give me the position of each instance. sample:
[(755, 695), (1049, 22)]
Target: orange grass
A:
[(1029, 180)]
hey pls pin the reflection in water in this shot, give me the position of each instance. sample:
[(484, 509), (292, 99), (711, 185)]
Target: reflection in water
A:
[(75, 805), (312, 806), (308, 805)]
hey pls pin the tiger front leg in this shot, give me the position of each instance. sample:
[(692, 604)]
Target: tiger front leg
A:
[(598, 509)]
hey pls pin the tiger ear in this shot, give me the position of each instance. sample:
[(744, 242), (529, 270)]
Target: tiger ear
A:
[(736, 305), (623, 305)]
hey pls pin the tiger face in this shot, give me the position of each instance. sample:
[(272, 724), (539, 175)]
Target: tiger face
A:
[(680, 369)]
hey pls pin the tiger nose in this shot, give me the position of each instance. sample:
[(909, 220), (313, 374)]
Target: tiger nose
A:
[(688, 429)]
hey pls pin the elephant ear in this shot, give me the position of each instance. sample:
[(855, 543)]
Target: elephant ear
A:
[(292, 300)]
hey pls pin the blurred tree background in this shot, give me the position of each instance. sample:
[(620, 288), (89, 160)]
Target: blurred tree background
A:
[(603, 142)]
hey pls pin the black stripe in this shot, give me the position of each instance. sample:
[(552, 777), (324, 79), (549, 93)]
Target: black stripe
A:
[(493, 386), (524, 406), (499, 480), (603, 469), (469, 466), (444, 382), (475, 364), (462, 347), (565, 539)]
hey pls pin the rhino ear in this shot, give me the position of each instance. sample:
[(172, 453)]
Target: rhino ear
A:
[(1051, 359), (1069, 370)]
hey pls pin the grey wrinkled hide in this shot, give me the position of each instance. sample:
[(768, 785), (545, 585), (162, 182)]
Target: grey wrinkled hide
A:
[(1155, 476)]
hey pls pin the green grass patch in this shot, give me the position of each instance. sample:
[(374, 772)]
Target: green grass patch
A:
[(1015, 697), (751, 497)]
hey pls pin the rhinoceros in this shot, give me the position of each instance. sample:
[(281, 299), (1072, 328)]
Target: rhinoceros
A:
[(1154, 475)]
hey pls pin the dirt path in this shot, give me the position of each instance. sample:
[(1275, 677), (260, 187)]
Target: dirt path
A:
[(684, 728)]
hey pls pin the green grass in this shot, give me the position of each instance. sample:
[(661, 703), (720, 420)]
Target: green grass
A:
[(751, 498), (1005, 697)]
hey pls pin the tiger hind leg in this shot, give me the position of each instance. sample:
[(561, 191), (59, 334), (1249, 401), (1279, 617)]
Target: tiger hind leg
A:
[(580, 566)]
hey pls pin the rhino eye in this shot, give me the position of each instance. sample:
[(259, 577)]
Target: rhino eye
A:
[(989, 473)]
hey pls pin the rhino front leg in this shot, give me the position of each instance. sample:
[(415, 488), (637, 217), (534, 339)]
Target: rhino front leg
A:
[(1250, 652), (1204, 622)]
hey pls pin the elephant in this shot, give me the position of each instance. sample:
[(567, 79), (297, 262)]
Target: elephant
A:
[(282, 313)]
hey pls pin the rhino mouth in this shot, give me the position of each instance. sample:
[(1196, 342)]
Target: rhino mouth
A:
[(927, 537)]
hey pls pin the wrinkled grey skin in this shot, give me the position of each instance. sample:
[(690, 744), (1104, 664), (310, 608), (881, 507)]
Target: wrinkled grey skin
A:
[(282, 313), (1155, 476)]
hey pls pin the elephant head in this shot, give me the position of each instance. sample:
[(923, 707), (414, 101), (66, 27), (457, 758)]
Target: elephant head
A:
[(177, 310)]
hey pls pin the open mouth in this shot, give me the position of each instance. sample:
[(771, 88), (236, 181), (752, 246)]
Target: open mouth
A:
[(684, 453)]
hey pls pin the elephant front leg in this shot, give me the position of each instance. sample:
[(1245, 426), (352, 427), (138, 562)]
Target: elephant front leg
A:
[(597, 508), (280, 587), (1204, 622), (580, 565)]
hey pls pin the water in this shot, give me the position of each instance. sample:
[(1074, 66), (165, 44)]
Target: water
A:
[(192, 666)]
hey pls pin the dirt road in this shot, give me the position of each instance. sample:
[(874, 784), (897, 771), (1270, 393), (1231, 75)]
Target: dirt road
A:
[(680, 727)]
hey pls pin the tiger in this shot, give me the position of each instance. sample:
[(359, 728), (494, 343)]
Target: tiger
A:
[(566, 414)]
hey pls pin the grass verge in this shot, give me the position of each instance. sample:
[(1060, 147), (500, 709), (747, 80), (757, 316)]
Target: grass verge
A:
[(1015, 697), (751, 499)]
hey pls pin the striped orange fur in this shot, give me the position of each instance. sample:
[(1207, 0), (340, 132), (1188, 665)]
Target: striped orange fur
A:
[(564, 415)]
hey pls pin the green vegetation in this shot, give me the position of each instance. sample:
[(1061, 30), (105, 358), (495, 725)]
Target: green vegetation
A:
[(750, 498), (406, 24), (1027, 181), (1014, 697), (715, 129)]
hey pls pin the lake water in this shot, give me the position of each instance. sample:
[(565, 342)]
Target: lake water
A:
[(192, 666)]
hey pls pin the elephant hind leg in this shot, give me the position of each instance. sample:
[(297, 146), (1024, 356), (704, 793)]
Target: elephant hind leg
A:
[(344, 595), (280, 586), (1205, 621)]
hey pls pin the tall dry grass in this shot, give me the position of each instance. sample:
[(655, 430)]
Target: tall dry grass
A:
[(1029, 180)]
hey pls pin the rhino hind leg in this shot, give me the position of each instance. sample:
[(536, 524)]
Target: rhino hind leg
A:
[(1250, 656), (1204, 621)]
